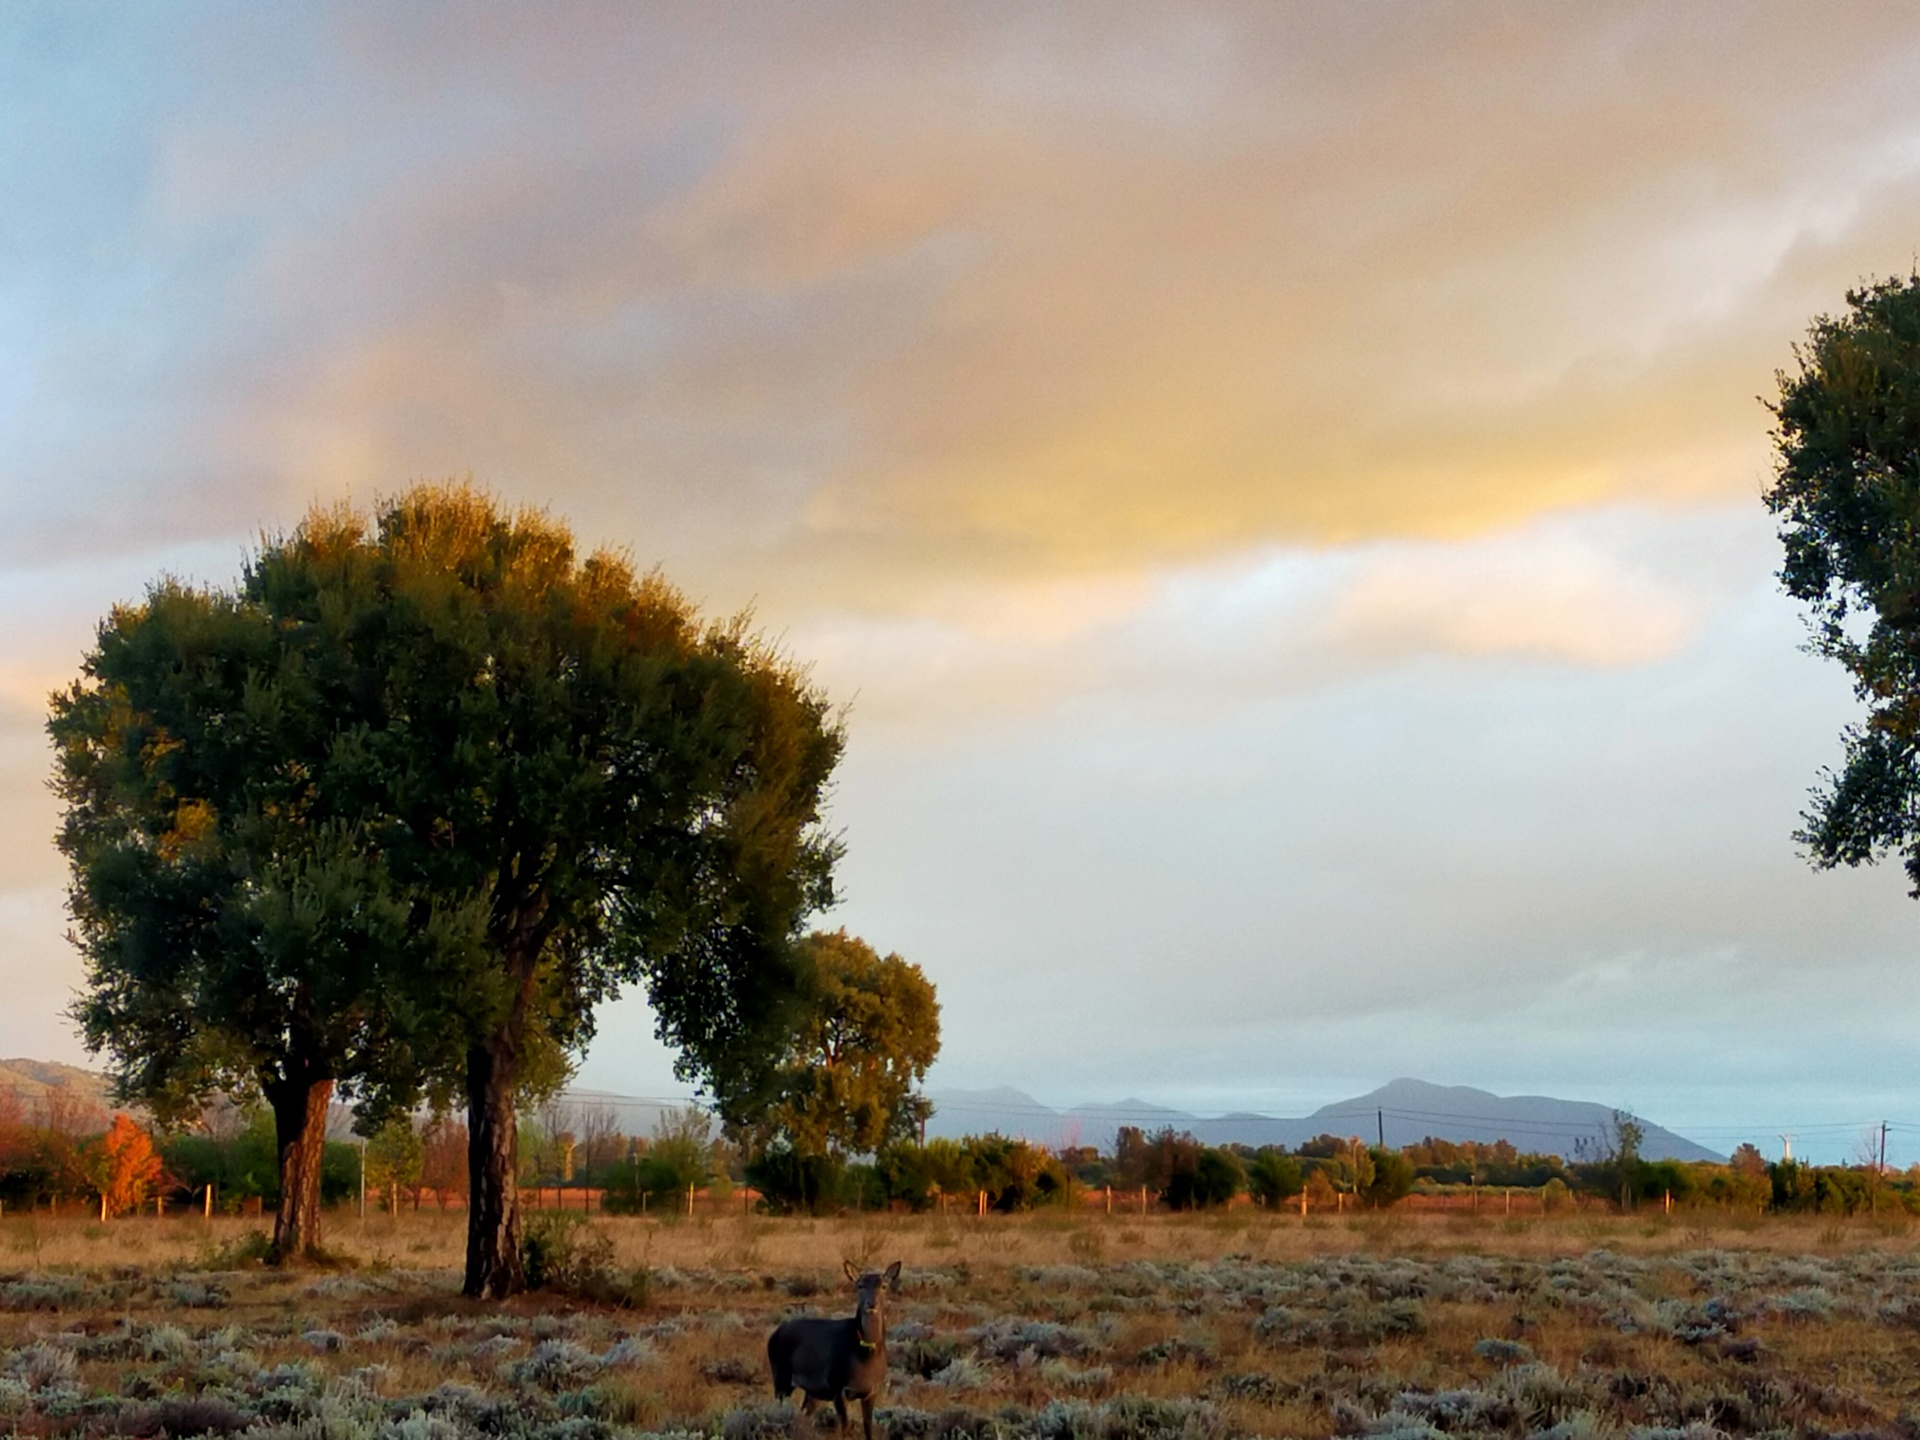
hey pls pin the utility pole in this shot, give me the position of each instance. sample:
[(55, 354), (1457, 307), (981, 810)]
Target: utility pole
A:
[(1879, 1168), (1380, 1119), (363, 1179)]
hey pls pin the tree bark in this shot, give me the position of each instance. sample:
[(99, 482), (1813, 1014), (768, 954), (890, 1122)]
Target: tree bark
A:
[(494, 1268), (300, 1135)]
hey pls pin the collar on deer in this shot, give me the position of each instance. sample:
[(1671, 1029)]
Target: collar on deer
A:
[(864, 1343)]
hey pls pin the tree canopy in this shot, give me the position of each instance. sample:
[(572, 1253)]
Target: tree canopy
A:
[(1847, 494), (480, 783), (869, 1028)]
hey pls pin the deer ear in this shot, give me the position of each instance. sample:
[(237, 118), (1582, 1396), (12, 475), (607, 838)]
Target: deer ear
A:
[(852, 1274), (893, 1276)]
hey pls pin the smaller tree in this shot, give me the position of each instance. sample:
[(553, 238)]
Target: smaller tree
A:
[(1626, 1137), (443, 1159), (680, 1157), (1391, 1181), (1274, 1176), (1218, 1177), (1320, 1191), (869, 1028), (1155, 1160), (394, 1157), (125, 1168)]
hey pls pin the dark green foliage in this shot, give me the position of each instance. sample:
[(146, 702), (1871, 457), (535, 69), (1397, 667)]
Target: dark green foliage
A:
[(1451, 1162), (1274, 1176), (1322, 1147), (1847, 494), (627, 794), (1016, 1175), (1153, 1159), (1392, 1178), (792, 1183), (907, 1174), (241, 928), (563, 1252), (1825, 1189), (1209, 1177), (1658, 1179)]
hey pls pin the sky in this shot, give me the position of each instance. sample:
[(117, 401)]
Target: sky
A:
[(1277, 487)]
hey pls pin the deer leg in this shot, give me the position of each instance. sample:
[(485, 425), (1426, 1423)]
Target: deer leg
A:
[(840, 1405), (866, 1415)]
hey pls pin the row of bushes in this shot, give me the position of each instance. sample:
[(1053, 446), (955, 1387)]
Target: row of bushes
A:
[(1013, 1174)]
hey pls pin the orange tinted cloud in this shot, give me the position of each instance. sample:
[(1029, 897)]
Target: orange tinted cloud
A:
[(836, 306)]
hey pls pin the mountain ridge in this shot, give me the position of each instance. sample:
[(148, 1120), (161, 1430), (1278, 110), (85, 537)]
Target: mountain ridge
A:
[(1403, 1111)]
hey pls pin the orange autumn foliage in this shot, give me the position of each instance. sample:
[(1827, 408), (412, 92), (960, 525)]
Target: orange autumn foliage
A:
[(125, 1166)]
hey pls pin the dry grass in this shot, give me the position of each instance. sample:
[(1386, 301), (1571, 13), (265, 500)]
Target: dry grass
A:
[(1194, 1326)]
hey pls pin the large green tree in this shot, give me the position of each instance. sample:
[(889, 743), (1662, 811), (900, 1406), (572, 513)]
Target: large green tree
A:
[(1847, 494), (581, 782), (869, 1027), (242, 931), (631, 794)]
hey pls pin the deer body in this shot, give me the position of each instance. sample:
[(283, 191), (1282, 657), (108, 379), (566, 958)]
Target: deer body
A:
[(837, 1360)]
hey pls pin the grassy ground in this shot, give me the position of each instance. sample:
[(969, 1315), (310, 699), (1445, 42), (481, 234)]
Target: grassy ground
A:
[(1192, 1326)]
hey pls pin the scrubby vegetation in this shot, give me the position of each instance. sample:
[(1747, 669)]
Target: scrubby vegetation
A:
[(1052, 1325)]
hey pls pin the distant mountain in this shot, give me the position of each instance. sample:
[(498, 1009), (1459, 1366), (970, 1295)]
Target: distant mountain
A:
[(31, 1079), (1407, 1111), (1003, 1110)]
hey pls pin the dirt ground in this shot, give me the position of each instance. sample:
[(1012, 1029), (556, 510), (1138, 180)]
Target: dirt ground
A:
[(1399, 1325)]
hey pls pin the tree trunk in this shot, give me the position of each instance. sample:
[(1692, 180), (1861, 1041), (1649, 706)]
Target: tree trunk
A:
[(300, 1135), (494, 1270)]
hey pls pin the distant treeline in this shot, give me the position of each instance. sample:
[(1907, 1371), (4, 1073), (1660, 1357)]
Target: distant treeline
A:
[(1178, 1172), (59, 1147)]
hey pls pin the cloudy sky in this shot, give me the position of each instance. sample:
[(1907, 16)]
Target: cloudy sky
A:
[(1276, 484)]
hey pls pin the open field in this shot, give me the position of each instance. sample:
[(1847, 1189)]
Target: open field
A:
[(1236, 1324)]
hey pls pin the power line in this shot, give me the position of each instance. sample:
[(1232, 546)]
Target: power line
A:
[(1146, 1114)]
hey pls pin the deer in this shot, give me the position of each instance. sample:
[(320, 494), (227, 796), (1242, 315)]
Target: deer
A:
[(837, 1360)]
